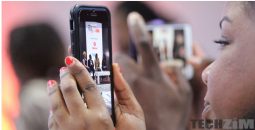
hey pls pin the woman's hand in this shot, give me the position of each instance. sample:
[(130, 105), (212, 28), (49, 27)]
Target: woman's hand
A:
[(166, 103), (129, 113), (70, 112)]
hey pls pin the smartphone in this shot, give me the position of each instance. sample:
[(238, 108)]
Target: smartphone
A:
[(173, 45), (91, 43)]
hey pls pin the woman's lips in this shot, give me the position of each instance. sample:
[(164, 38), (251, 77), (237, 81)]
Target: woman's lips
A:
[(206, 111)]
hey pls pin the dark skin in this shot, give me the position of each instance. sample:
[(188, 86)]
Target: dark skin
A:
[(152, 87), (230, 78), (70, 112)]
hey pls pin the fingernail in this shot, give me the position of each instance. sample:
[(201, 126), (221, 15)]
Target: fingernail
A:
[(63, 69), (120, 69), (51, 83), (117, 67), (69, 60)]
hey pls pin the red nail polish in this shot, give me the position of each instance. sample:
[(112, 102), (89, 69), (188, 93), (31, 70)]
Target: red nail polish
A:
[(51, 83), (63, 69), (69, 60)]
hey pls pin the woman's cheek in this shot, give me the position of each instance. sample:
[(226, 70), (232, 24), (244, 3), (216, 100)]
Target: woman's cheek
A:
[(221, 80)]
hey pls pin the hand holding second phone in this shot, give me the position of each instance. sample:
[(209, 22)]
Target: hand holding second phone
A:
[(166, 103)]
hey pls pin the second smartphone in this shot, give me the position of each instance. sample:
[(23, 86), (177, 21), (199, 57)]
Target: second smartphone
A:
[(91, 43)]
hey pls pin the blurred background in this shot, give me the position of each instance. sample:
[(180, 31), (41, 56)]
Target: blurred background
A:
[(203, 17)]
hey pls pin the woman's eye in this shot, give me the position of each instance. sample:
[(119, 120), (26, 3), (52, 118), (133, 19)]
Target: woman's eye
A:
[(223, 43)]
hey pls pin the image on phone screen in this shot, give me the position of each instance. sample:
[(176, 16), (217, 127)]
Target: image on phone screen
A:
[(171, 42), (96, 59)]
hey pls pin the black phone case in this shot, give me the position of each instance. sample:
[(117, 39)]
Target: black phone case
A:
[(75, 45)]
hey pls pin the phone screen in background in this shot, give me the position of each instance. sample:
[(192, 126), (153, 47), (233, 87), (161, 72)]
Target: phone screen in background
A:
[(162, 41), (172, 44), (96, 58)]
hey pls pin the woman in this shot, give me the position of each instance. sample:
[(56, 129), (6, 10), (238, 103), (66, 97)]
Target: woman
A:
[(84, 60), (178, 50), (229, 79), (91, 66), (97, 63), (36, 51)]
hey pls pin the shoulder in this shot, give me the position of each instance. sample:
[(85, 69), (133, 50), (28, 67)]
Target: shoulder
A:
[(34, 106)]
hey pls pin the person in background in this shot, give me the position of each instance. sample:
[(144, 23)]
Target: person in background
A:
[(91, 66), (36, 52), (179, 40), (104, 63), (84, 60), (97, 63)]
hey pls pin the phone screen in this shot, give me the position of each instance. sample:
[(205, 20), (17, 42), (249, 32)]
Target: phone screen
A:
[(96, 61), (171, 42), (94, 41)]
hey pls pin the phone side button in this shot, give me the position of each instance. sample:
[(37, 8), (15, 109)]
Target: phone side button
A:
[(72, 42), (73, 50), (71, 35), (71, 24)]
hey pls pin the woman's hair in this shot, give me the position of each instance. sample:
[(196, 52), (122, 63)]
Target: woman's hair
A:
[(249, 9), (36, 51)]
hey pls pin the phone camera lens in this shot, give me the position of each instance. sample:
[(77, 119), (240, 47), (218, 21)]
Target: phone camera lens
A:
[(93, 13)]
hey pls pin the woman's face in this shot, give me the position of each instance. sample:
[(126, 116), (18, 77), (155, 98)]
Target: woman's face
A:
[(230, 79)]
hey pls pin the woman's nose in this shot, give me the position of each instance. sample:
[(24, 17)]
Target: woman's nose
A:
[(205, 73)]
